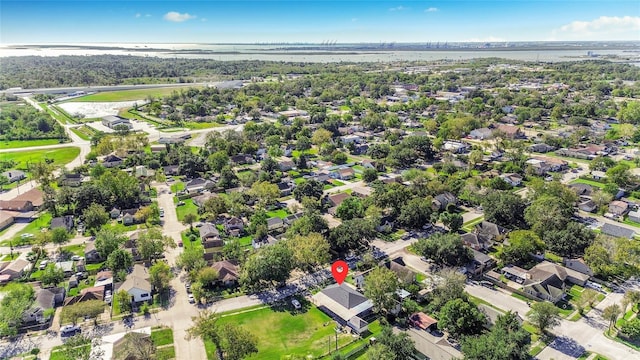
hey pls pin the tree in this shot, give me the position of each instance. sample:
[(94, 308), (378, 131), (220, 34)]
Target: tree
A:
[(144, 214), (232, 342), (60, 236), (42, 172), (507, 340), (415, 213), (544, 315), (369, 175), (611, 313), (152, 243), (548, 213), (107, 241), (379, 351), (3, 181), (445, 249), (310, 222), (137, 346), (160, 276), (311, 188), (459, 317), (380, 287), (401, 344), (214, 206), (207, 276), (191, 259), (351, 234), (189, 219), (522, 244), (16, 300), (87, 309), (119, 260), (321, 136), (94, 217), (620, 175), (124, 301), (269, 265), (52, 275), (631, 297), (218, 160), (505, 209), (350, 208), (453, 221), (587, 298), (81, 348), (266, 192), (631, 328), (309, 251), (569, 241)]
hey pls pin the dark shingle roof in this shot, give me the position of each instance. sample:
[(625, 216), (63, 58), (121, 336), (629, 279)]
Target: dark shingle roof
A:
[(617, 231), (345, 296)]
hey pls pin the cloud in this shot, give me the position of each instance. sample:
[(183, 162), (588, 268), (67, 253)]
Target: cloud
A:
[(485, 39), (398, 8), (138, 15), (601, 28), (175, 16), (147, 15), (431, 9)]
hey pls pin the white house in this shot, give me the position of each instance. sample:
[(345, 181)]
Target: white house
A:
[(137, 284)]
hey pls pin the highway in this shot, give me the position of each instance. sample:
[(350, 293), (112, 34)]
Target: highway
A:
[(64, 90)]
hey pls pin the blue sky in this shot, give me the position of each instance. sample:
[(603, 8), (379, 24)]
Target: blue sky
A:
[(212, 21)]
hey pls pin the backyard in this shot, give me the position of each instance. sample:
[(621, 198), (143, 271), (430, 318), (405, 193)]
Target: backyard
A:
[(305, 333)]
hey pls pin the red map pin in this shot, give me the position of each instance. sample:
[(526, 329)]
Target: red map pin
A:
[(339, 269)]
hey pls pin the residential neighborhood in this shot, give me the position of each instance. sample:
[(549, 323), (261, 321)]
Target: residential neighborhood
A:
[(470, 216)]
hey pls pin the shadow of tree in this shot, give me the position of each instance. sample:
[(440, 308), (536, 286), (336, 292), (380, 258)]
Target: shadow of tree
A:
[(567, 346)]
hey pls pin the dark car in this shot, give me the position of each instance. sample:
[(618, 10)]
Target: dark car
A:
[(70, 330)]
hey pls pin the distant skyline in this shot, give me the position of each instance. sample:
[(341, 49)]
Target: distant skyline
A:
[(239, 21)]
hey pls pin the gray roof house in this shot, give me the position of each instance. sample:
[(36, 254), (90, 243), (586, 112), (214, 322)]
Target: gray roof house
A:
[(617, 231), (345, 305), (14, 175), (111, 121)]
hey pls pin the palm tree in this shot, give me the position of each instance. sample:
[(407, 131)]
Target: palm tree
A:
[(611, 314)]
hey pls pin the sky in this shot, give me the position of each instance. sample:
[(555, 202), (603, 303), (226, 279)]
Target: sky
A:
[(240, 21)]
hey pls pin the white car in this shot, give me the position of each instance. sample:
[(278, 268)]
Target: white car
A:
[(296, 304), (76, 258), (43, 264), (191, 299)]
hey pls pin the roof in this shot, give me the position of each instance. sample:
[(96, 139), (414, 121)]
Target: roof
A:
[(34, 195), (227, 270), (208, 229), (338, 198), (481, 257), (343, 301), (16, 265), (134, 282), (14, 205), (422, 320), (66, 266), (140, 271), (561, 271), (92, 293), (617, 231), (515, 270)]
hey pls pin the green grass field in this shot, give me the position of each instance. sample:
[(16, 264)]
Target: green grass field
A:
[(162, 336), (85, 132), (16, 144), (59, 156), (281, 213), (33, 227), (588, 182), (188, 208), (299, 334), (129, 95)]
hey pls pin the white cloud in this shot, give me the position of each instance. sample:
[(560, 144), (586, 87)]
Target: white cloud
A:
[(485, 39), (431, 9), (138, 15), (147, 15), (175, 16), (602, 28), (398, 8)]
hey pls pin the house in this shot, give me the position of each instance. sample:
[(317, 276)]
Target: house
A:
[(473, 241), (137, 285), (111, 160), (337, 199), (45, 299), (440, 202), (158, 148), (69, 179), (634, 216), (171, 170), (105, 279), (65, 266), (92, 293), (275, 223), (286, 188), (286, 164), (543, 164), (91, 255), (6, 220), (481, 134), (403, 273), (515, 273), (578, 265), (65, 222), (14, 270), (290, 219), (14, 175), (267, 240), (481, 263), (423, 321), (489, 232), (581, 189), (128, 216), (510, 131), (598, 175), (233, 224), (228, 272), (587, 205), (351, 139), (456, 147), (208, 232), (541, 148), (198, 185), (35, 196), (242, 159), (512, 179), (346, 174), (617, 231), (618, 208), (345, 305), (545, 286), (113, 121), (361, 192), (141, 171), (16, 205), (201, 199)]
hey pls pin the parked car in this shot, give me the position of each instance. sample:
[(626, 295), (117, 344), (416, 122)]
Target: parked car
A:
[(69, 330), (180, 203), (487, 284), (296, 304), (191, 299), (76, 258), (43, 264)]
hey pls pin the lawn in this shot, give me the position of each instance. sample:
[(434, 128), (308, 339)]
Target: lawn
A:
[(177, 186), (299, 334), (128, 95), (33, 227), (188, 208), (188, 244), (60, 156), (84, 132), (281, 213), (58, 355), (162, 336), (470, 225), (15, 144), (200, 125)]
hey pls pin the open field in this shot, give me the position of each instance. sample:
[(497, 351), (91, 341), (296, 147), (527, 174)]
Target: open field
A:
[(16, 144), (59, 156), (96, 110), (128, 95), (84, 132)]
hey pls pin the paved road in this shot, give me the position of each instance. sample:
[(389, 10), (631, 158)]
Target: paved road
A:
[(61, 90)]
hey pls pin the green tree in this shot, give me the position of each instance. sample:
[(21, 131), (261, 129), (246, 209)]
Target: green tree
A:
[(107, 241), (124, 301), (218, 160), (453, 221), (16, 300), (3, 181), (522, 244), (310, 188), (90, 309), (351, 234), (152, 243), (268, 266), (445, 249), (207, 276), (160, 276), (379, 351), (401, 344), (415, 213), (611, 313), (380, 287), (266, 192), (350, 208), (189, 219), (505, 209), (60, 236), (52, 275), (94, 217), (119, 260), (321, 136), (459, 317), (369, 175), (507, 340), (232, 342), (631, 328), (548, 213), (631, 297), (191, 259), (309, 251), (544, 315)]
